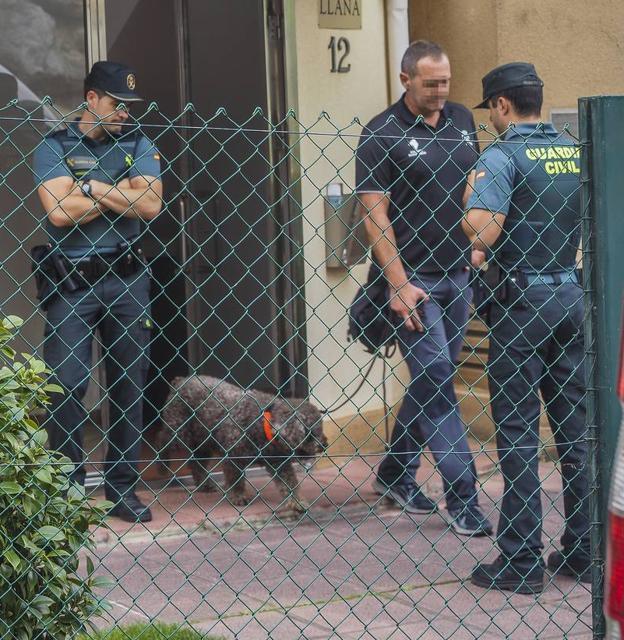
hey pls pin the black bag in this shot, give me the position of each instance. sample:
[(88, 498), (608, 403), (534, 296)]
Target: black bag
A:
[(371, 321)]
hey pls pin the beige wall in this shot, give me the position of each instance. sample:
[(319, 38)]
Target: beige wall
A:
[(576, 46), (327, 104)]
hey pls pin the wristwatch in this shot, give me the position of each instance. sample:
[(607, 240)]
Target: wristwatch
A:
[(85, 187)]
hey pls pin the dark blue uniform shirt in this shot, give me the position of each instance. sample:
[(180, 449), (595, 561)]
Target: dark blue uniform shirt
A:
[(108, 160), (423, 170)]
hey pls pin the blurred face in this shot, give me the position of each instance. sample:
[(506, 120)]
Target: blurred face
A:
[(107, 111), (427, 90)]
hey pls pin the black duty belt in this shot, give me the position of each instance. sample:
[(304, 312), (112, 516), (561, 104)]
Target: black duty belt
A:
[(93, 268), (55, 273)]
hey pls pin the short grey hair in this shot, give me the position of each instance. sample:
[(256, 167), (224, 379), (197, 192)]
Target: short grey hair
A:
[(418, 50)]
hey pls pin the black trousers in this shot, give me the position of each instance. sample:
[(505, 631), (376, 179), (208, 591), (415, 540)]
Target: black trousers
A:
[(538, 347), (118, 310)]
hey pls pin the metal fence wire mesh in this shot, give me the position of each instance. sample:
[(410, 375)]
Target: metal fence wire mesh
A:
[(267, 476)]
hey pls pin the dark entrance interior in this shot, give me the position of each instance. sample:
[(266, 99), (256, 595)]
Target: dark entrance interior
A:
[(223, 272)]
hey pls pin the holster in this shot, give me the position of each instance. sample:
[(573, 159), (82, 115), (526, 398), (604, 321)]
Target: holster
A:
[(515, 284), (487, 287), (51, 273)]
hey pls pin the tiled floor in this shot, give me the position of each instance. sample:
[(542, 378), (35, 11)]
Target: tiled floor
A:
[(352, 567)]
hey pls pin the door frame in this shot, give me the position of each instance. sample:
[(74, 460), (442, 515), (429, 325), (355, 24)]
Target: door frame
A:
[(95, 31), (289, 283)]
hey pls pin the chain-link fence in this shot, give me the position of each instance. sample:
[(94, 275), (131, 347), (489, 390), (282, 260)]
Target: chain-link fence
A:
[(267, 475)]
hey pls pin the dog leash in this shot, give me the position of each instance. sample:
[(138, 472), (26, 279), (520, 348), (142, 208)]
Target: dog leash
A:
[(388, 353)]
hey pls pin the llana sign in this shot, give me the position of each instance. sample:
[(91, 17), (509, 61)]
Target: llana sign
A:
[(340, 14)]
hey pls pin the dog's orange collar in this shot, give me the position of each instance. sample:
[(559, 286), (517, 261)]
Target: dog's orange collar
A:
[(266, 425)]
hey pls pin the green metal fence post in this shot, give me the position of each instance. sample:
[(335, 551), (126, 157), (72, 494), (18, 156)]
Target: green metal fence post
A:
[(603, 238)]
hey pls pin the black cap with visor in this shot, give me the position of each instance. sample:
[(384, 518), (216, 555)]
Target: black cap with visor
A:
[(114, 79), (508, 76)]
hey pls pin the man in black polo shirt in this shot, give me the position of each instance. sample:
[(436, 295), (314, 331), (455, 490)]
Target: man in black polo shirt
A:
[(412, 165)]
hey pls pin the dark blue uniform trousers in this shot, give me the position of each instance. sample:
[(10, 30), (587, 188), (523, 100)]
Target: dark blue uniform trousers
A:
[(117, 308), (539, 348), (429, 416)]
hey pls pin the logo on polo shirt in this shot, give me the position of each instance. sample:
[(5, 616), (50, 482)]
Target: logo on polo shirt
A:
[(415, 152), (466, 137)]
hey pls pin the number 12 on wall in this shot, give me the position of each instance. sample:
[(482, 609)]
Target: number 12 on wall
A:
[(340, 49)]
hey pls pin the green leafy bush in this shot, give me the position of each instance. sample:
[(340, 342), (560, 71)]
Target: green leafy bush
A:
[(150, 631), (44, 519)]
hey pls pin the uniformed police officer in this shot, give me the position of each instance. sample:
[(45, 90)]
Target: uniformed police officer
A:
[(526, 207), (412, 164), (99, 181)]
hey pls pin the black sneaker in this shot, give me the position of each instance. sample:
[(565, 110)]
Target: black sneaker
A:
[(572, 565), (502, 574), (407, 496), (470, 521), (130, 509)]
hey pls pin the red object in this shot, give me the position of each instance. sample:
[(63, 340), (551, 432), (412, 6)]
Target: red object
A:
[(620, 385), (614, 583), (266, 425), (615, 564)]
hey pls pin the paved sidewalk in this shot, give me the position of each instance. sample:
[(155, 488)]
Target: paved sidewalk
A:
[(350, 568)]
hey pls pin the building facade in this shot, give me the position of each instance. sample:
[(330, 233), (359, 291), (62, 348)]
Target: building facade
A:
[(244, 284)]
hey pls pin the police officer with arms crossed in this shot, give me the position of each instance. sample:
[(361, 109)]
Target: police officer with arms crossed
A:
[(411, 173), (99, 180), (526, 208)]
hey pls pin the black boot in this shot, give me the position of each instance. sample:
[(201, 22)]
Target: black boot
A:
[(503, 574), (129, 508), (575, 565)]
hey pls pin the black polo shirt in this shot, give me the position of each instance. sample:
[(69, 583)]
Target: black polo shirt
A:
[(423, 170)]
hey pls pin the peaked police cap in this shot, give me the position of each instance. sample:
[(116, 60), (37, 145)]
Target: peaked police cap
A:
[(508, 76), (115, 79)]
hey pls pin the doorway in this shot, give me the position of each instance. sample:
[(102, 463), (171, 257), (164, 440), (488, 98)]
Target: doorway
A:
[(227, 284)]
